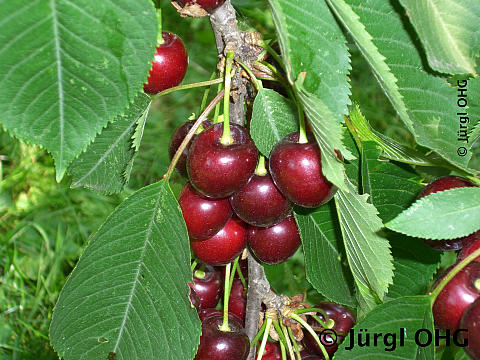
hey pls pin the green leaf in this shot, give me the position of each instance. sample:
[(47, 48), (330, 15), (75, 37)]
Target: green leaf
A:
[(392, 188), (403, 316), (367, 252), (106, 164), (425, 102), (69, 67), (415, 265), (273, 117), (352, 167), (324, 256), (448, 31), (321, 54), (447, 214), (128, 295)]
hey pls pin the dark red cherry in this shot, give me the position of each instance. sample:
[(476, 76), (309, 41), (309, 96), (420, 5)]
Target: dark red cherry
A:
[(207, 313), (204, 217), (177, 139), (474, 245), (208, 285), (237, 301), (313, 357), (224, 246), (272, 352), (218, 170), (442, 184), (296, 169), (461, 291), (207, 5), (218, 345), (343, 320), (471, 322), (260, 203), (168, 66), (275, 244)]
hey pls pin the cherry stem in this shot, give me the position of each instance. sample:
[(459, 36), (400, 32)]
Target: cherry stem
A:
[(261, 170), (302, 137), (312, 332), (242, 278), (191, 132), (234, 268), (200, 274), (194, 264), (451, 274), (226, 297), (261, 350), (274, 54), (287, 339), (226, 138), (282, 349), (280, 333), (259, 334), (160, 40), (217, 108), (253, 78), (327, 324), (295, 344), (207, 92), (187, 86)]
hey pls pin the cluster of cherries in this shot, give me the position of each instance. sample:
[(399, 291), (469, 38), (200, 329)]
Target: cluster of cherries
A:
[(457, 306)]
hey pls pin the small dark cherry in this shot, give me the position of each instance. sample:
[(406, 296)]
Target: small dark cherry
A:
[(168, 66), (218, 170), (207, 313), (467, 250), (218, 345), (274, 244), (461, 291), (260, 203), (272, 352), (207, 5), (442, 184), (224, 246), (343, 319), (203, 216), (296, 169), (208, 285), (237, 302), (471, 322), (177, 139)]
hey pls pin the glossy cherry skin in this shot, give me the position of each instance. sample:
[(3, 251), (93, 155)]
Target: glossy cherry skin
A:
[(208, 285), (237, 302), (272, 352), (260, 203), (218, 345), (275, 244), (218, 170), (224, 246), (207, 313), (177, 139), (474, 245), (442, 184), (343, 319), (207, 5), (204, 217), (194, 298), (471, 322), (168, 66), (296, 169), (456, 296)]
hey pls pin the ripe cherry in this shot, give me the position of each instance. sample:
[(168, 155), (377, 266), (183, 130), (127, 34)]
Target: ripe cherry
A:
[(474, 245), (461, 291), (272, 351), (194, 298), (207, 313), (343, 320), (442, 184), (471, 322), (218, 170), (296, 169), (219, 345), (224, 246), (237, 302), (275, 244), (313, 357), (208, 286), (204, 217), (168, 66), (177, 139), (260, 203), (207, 5)]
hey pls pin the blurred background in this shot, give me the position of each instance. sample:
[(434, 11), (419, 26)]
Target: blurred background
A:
[(44, 226)]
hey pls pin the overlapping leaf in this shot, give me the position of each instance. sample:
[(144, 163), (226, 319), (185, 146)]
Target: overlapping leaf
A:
[(127, 298), (446, 214), (449, 33), (106, 164), (69, 67), (324, 259)]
